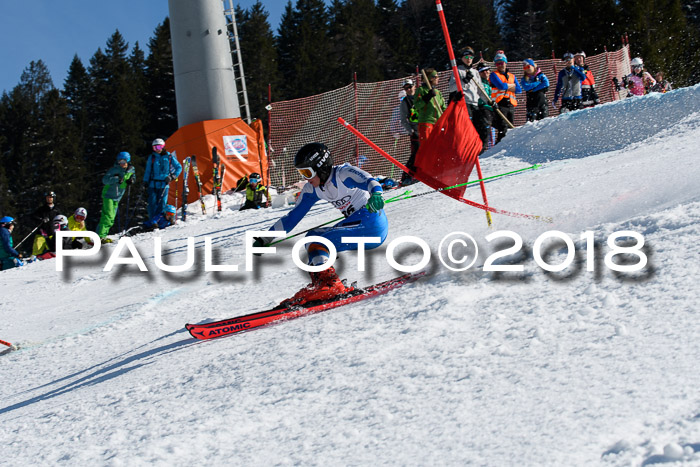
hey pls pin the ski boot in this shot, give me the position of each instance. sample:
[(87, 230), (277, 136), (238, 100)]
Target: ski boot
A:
[(324, 286)]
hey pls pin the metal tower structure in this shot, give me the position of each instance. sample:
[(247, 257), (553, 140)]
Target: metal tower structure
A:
[(230, 15), (205, 83)]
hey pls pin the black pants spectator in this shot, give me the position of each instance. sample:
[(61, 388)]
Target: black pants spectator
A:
[(411, 163), (481, 119), (499, 124), (570, 104), (537, 105)]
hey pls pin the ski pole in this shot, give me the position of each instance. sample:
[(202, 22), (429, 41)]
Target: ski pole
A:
[(12, 346), (406, 195), (133, 210), (28, 235), (126, 211)]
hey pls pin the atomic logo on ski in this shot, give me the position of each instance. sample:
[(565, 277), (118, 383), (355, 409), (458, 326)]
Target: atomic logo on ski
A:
[(229, 326)]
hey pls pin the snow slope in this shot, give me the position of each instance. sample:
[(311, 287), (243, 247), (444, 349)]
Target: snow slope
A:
[(489, 368)]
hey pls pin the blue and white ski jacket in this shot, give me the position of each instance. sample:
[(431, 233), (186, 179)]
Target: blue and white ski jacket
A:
[(348, 188)]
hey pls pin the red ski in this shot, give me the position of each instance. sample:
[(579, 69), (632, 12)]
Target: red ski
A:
[(261, 318)]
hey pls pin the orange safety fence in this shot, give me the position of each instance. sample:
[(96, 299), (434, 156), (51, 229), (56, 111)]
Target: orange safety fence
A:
[(373, 108)]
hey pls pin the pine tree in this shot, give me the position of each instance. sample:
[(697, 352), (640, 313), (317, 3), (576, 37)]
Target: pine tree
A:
[(664, 40), (525, 29), (398, 53), (115, 110), (576, 26), (26, 147), (160, 77), (304, 49), (76, 89), (260, 61), (356, 45)]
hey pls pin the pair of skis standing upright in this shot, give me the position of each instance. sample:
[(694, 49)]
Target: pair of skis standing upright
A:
[(219, 172)]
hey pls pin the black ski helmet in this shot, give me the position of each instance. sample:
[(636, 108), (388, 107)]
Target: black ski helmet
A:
[(315, 156)]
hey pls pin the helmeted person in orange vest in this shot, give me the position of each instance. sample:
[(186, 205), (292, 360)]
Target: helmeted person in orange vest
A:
[(503, 89), (589, 96)]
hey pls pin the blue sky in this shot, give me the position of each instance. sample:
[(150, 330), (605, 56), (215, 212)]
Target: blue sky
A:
[(54, 31)]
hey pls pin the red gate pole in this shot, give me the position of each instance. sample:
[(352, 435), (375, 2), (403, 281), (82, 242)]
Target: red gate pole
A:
[(453, 63), (357, 121)]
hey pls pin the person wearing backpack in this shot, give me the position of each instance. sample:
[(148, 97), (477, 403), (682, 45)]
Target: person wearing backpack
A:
[(162, 168)]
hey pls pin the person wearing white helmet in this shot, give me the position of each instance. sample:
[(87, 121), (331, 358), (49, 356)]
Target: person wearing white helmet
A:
[(639, 81), (76, 222), (589, 95), (162, 168)]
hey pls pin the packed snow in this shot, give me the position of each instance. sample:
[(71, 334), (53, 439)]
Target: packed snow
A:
[(576, 367)]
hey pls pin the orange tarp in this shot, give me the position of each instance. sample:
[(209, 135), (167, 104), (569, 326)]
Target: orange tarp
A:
[(240, 146)]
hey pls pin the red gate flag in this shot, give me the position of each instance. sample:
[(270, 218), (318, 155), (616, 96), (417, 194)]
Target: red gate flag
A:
[(450, 152)]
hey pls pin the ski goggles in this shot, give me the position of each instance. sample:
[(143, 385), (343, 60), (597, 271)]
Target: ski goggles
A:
[(308, 173), (468, 56), (254, 180), (158, 147), (79, 218)]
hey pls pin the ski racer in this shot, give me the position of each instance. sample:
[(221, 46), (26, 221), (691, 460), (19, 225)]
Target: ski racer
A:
[(9, 257), (353, 192)]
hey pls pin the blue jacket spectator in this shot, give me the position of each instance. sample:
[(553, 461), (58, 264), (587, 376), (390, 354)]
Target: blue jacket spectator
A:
[(161, 168), (569, 85), (535, 84)]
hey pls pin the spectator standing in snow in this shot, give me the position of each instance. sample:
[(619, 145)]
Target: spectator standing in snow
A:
[(409, 121), (661, 84), (470, 81), (9, 257), (535, 84), (161, 169), (486, 110), (504, 85), (569, 85), (429, 104), (589, 96), (115, 182), (45, 215)]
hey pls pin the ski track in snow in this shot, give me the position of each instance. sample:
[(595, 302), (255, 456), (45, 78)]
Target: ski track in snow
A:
[(459, 368)]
